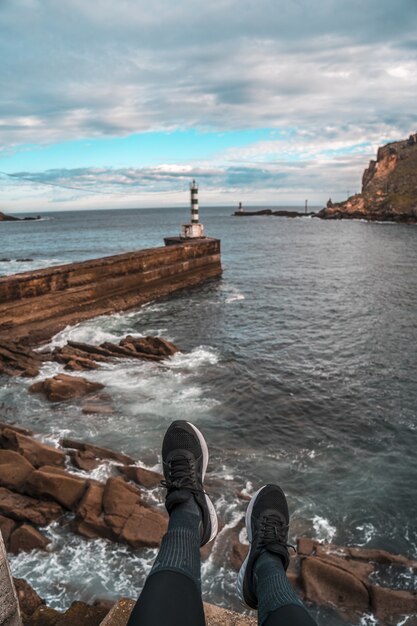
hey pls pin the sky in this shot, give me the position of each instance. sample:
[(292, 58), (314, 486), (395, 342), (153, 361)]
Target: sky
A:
[(269, 102)]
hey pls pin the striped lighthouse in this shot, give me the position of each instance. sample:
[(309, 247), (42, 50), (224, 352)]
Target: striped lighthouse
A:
[(195, 230), (195, 219)]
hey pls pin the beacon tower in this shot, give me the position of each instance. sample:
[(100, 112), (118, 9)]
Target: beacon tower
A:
[(194, 230)]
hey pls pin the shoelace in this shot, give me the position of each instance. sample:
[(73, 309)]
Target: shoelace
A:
[(181, 475), (273, 531)]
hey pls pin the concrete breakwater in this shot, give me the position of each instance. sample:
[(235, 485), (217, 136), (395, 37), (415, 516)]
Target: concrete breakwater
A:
[(36, 305)]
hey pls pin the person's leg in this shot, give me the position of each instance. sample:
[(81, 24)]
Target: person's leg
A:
[(262, 580), (172, 592)]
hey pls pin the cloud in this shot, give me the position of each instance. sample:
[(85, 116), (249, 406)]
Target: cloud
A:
[(80, 69)]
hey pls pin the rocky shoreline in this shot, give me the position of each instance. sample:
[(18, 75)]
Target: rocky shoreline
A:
[(279, 213), (41, 483), (389, 188), (11, 218)]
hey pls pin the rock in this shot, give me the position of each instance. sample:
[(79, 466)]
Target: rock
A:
[(5, 260), (89, 520), (142, 476), (23, 259), (27, 538), (97, 406), (156, 346), (44, 616), (238, 555), (64, 387), (305, 546), (389, 605), (328, 585), (14, 469), (29, 600), (79, 365), (26, 509), (7, 526), (145, 527), (18, 360), (50, 482), (8, 218), (35, 452), (119, 501), (86, 461), (97, 451), (82, 614)]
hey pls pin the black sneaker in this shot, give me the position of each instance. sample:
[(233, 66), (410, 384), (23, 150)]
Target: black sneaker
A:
[(267, 521), (185, 459)]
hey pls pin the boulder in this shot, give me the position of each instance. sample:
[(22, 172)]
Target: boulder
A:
[(44, 616), (64, 387), (388, 605), (216, 616), (120, 613), (89, 520), (97, 451), (18, 360), (26, 509), (119, 501), (82, 614), (7, 526), (154, 346), (144, 527), (86, 461), (51, 482), (28, 599), (328, 585), (142, 476), (14, 469), (27, 538), (37, 453), (79, 365)]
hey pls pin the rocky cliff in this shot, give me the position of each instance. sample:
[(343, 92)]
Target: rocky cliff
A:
[(7, 218), (389, 187)]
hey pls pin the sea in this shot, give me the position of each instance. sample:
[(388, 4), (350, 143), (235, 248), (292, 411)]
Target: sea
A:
[(299, 365)]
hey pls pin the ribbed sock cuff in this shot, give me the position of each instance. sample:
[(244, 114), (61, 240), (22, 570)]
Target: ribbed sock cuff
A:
[(180, 548), (273, 589)]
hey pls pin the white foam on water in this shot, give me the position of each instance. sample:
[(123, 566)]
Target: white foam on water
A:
[(323, 529), (370, 620), (105, 570), (368, 531)]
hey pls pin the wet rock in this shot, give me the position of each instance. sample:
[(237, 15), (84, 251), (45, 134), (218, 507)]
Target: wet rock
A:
[(154, 346), (97, 451), (14, 469), (26, 509), (81, 614), (145, 527), (238, 554), (5, 260), (99, 406), (328, 585), (43, 616), (119, 501), (64, 387), (18, 360), (28, 599), (89, 520), (35, 452), (79, 365), (389, 605), (23, 259), (142, 476), (27, 538), (51, 482), (86, 461), (7, 526)]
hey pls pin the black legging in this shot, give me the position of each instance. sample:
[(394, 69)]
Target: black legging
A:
[(173, 599)]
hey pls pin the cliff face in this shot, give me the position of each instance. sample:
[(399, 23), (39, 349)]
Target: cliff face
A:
[(7, 218), (389, 187)]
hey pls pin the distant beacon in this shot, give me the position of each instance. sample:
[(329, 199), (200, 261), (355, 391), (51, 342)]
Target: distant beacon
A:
[(195, 229)]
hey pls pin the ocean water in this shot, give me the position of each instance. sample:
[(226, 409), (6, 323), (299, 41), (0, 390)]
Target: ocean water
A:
[(299, 366)]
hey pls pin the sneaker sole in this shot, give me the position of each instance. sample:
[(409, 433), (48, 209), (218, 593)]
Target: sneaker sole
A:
[(242, 571), (211, 509)]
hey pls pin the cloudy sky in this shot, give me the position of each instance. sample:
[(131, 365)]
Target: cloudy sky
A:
[(267, 101)]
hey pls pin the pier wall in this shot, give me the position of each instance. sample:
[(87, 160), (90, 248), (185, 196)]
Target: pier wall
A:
[(36, 305)]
